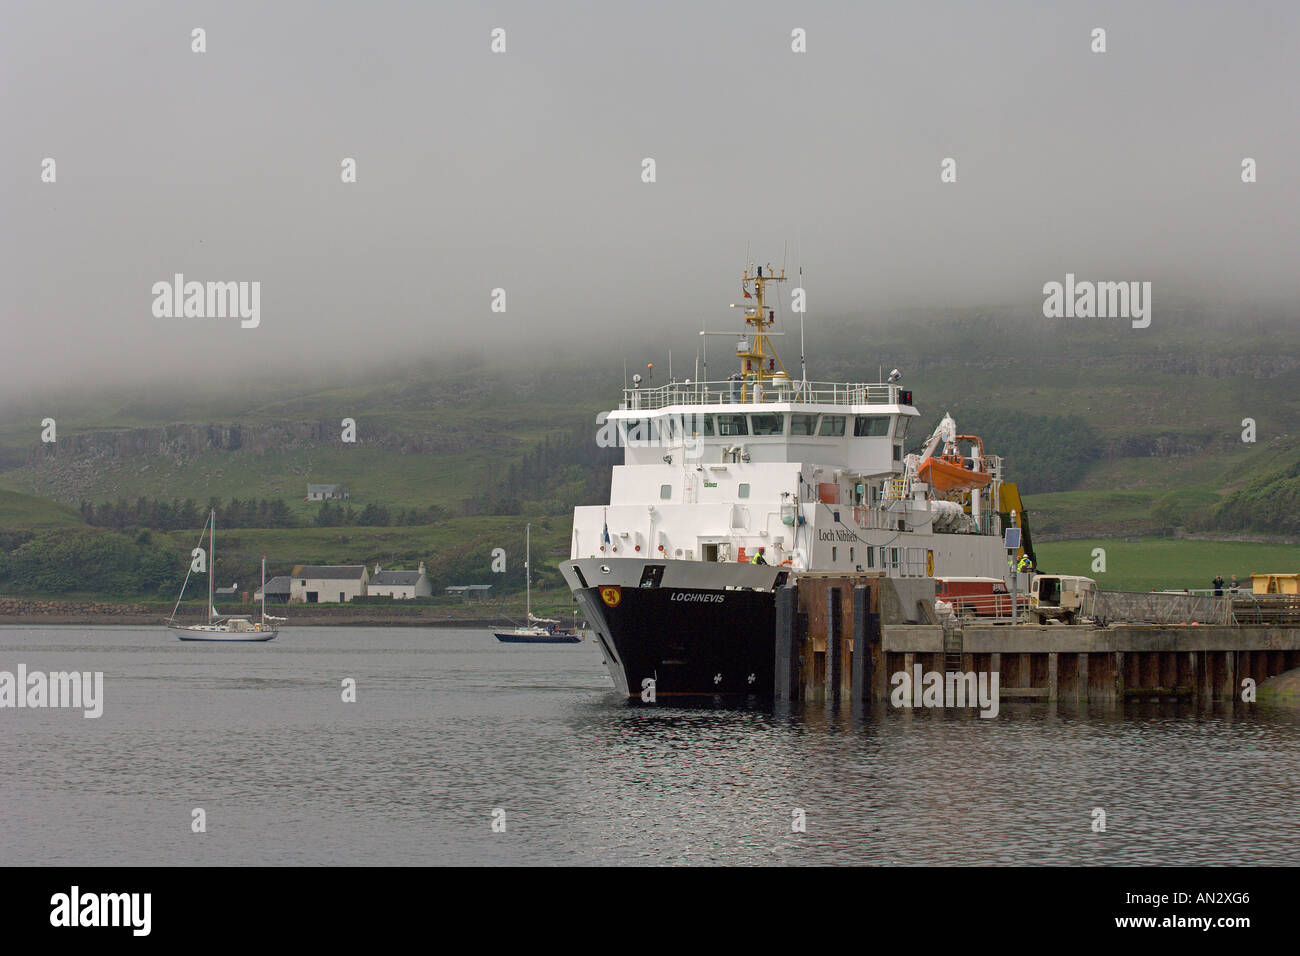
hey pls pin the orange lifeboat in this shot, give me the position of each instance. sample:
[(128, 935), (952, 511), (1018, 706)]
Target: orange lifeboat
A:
[(955, 472)]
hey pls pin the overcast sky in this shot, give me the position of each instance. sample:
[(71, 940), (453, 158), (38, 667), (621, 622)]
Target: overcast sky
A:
[(522, 170)]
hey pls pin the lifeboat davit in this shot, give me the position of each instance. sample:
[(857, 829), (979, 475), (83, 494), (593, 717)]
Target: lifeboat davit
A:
[(954, 472)]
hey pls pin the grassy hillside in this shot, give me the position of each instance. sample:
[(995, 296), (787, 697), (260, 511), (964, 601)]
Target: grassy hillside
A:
[(27, 512), (1111, 432)]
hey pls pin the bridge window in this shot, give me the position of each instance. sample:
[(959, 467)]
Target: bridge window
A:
[(732, 425), (697, 425), (742, 491), (665, 492), (871, 426), (803, 424), (767, 424), (832, 426), (900, 431)]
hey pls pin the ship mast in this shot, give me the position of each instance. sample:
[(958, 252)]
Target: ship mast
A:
[(759, 362), (212, 550)]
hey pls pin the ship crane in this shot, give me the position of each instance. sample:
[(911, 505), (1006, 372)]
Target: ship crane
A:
[(945, 432)]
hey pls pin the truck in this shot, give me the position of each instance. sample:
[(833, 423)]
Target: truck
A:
[(977, 596), (1058, 597)]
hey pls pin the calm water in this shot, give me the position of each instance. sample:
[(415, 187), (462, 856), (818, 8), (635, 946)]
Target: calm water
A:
[(450, 724)]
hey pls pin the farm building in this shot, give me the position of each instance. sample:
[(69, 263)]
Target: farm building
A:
[(327, 584)]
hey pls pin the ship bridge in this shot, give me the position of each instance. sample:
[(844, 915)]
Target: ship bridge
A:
[(859, 427)]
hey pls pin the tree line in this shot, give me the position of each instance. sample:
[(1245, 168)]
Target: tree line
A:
[(177, 515), (332, 515)]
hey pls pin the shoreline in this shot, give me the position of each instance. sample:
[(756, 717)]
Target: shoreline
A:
[(145, 620), (24, 612)]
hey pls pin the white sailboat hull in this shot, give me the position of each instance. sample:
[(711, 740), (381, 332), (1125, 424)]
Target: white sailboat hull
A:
[(217, 632)]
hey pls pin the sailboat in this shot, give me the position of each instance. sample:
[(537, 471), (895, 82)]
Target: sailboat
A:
[(216, 628), (538, 630)]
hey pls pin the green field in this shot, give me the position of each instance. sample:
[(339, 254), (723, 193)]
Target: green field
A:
[(1166, 563), (29, 512)]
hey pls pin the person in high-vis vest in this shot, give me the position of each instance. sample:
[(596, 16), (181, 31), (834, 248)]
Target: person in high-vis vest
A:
[(758, 557), (1025, 565)]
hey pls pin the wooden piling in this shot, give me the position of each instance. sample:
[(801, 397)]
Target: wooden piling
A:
[(783, 690), (834, 645), (860, 682)]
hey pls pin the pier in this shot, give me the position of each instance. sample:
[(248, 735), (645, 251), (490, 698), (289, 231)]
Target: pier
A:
[(823, 620)]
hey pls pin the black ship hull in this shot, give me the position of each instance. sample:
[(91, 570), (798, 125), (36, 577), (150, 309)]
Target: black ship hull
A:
[(685, 641)]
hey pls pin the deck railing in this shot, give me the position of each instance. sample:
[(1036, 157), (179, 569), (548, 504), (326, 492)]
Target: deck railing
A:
[(731, 392)]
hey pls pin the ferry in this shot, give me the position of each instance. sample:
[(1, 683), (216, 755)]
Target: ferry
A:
[(731, 489)]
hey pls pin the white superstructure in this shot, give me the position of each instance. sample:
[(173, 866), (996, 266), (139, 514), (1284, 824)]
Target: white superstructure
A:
[(813, 474)]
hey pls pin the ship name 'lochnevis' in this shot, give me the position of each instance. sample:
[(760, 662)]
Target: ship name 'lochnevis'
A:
[(807, 476)]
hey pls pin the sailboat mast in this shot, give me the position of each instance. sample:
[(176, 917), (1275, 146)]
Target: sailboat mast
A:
[(212, 556), (263, 589), (528, 571)]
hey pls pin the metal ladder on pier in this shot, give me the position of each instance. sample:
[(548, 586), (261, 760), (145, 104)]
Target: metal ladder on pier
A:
[(952, 648)]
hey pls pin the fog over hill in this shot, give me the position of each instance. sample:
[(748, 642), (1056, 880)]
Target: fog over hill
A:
[(523, 171)]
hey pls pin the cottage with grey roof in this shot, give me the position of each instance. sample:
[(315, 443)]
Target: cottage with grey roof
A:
[(400, 584)]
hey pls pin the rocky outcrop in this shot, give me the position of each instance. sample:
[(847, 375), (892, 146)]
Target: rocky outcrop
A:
[(1166, 445)]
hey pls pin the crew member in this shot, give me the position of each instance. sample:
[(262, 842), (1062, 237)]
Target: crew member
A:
[(758, 557), (1024, 565)]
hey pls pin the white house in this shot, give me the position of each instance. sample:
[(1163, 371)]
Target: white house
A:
[(326, 492), (400, 584), (327, 584)]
